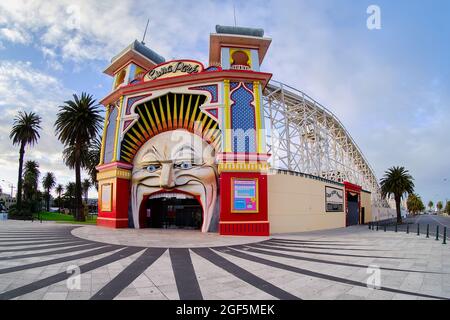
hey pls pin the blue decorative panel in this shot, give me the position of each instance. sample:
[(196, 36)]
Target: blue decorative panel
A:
[(212, 112), (249, 86), (110, 135), (212, 68), (212, 89), (234, 85), (243, 122)]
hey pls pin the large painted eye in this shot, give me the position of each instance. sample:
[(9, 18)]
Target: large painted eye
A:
[(184, 165), (153, 167)]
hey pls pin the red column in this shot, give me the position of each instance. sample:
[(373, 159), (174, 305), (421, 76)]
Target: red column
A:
[(113, 195), (240, 222)]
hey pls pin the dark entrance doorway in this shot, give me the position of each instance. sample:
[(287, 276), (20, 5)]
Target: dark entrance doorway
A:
[(353, 209), (173, 213)]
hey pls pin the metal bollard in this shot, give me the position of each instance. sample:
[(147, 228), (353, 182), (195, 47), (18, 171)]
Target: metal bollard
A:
[(445, 236), (396, 227), (384, 228), (369, 225), (407, 228), (418, 229), (428, 230), (377, 226), (437, 232)]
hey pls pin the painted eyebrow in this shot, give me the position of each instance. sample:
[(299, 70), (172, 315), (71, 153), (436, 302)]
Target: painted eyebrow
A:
[(183, 148), (152, 151)]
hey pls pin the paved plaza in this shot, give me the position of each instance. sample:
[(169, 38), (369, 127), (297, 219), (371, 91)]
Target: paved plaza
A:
[(179, 264)]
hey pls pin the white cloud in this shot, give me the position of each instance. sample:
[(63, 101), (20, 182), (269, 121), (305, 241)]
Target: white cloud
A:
[(100, 29), (22, 87), (14, 35), (395, 112)]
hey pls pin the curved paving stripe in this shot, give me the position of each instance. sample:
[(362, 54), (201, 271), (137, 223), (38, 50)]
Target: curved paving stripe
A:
[(48, 253), (288, 256), (272, 247), (89, 253), (34, 236), (332, 246), (185, 277), (316, 243), (34, 242), (37, 248), (286, 267), (312, 246), (60, 241), (128, 274), (243, 274), (64, 275)]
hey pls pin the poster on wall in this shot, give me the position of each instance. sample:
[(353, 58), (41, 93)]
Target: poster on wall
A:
[(334, 199), (244, 195), (106, 197)]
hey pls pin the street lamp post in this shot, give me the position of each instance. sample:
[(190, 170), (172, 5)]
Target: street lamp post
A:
[(446, 199)]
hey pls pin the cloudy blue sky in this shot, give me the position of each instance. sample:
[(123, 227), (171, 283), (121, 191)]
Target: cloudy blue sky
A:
[(390, 87)]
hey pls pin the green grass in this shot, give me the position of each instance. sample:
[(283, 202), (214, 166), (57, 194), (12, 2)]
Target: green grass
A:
[(64, 218)]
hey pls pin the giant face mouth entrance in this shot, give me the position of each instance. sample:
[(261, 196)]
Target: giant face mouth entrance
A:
[(172, 211)]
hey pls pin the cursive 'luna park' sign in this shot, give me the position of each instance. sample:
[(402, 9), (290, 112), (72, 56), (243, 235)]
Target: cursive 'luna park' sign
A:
[(173, 69)]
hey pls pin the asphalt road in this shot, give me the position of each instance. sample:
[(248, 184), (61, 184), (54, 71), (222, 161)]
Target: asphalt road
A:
[(433, 221)]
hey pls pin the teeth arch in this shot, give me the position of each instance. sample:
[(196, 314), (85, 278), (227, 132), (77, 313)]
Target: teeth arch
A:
[(177, 195)]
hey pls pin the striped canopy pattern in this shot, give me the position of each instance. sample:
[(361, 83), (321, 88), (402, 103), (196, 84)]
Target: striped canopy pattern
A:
[(169, 112)]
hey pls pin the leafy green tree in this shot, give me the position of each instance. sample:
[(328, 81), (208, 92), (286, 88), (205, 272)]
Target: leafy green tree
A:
[(48, 182), (397, 182), (25, 131), (414, 204), (430, 205), (78, 123), (59, 190), (86, 185), (439, 206), (447, 207)]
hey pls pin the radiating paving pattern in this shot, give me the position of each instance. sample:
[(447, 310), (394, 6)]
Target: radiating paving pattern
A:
[(35, 259)]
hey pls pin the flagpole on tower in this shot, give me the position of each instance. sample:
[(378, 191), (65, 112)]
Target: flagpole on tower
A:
[(145, 32)]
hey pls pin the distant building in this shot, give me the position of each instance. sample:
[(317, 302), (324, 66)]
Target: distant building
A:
[(93, 205), (391, 202), (6, 199)]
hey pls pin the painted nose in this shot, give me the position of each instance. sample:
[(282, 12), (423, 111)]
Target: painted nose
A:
[(167, 178)]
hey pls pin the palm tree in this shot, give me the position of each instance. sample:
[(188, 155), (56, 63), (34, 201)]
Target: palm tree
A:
[(414, 204), (86, 185), (48, 182), (70, 194), (439, 206), (397, 181), (430, 204), (93, 159), (78, 122), (59, 190), (30, 180), (25, 131)]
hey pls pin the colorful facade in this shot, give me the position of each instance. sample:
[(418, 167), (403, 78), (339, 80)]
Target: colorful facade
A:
[(184, 145), (194, 134)]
